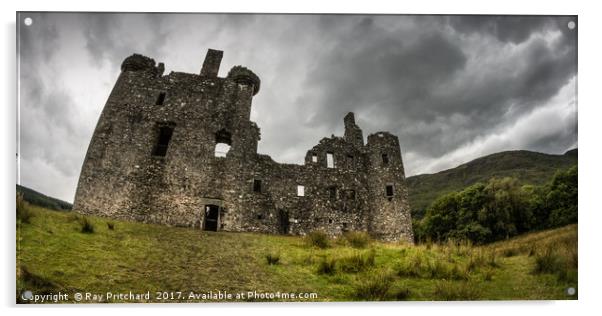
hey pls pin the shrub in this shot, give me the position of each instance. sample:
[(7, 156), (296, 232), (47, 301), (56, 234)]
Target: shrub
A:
[(357, 239), (272, 258), (357, 262), (401, 294), (24, 212), (488, 275), (557, 257), (436, 269), (374, 289), (547, 262), (459, 273), (86, 226), (509, 252), (318, 239), (327, 266), (111, 225), (412, 268), (492, 260), (456, 291)]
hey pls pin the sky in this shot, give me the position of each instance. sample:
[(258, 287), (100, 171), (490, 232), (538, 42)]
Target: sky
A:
[(452, 88)]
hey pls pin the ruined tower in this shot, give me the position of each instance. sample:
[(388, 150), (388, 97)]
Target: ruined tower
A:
[(180, 149)]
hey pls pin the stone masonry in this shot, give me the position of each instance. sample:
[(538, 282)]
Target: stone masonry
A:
[(180, 149)]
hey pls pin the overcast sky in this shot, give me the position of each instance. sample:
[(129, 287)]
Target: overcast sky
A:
[(453, 88)]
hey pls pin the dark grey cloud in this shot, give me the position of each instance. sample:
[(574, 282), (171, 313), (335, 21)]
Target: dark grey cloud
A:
[(451, 87), (438, 80), (515, 29)]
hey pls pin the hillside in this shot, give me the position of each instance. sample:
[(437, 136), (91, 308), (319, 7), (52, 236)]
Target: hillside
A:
[(528, 167), (37, 198), (53, 254)]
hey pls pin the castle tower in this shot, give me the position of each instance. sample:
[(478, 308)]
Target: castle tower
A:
[(390, 217), (164, 146), (353, 134)]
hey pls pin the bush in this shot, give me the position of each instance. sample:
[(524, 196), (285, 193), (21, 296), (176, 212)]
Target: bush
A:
[(375, 289), (401, 294), (488, 275), (327, 266), (24, 212), (318, 239), (456, 291), (509, 252), (492, 260), (500, 209), (548, 262), (411, 268), (272, 258), (558, 258), (357, 239), (86, 226), (357, 262)]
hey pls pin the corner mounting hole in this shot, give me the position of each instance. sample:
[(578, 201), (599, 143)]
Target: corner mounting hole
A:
[(571, 291), (571, 25), (28, 21)]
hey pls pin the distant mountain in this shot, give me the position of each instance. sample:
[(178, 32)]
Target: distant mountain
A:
[(37, 198), (527, 166)]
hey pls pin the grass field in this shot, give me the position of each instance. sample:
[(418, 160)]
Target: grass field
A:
[(56, 253)]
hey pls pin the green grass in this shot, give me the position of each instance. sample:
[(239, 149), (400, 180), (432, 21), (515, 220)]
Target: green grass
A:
[(53, 254)]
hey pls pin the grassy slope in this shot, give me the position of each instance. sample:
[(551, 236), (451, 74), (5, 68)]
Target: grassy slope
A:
[(54, 255), (529, 167), (37, 198)]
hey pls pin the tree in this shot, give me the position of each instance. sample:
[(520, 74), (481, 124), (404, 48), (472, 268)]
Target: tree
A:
[(562, 198)]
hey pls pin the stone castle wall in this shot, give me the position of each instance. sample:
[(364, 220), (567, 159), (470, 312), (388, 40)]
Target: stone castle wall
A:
[(153, 159)]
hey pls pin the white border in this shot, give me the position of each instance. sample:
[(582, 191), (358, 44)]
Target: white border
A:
[(589, 151)]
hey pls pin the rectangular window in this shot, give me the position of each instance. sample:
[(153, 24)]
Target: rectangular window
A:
[(350, 160), (329, 160), (314, 158), (300, 190), (385, 159), (160, 99), (165, 133), (256, 185), (389, 190)]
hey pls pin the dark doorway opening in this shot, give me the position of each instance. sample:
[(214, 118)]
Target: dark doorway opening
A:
[(211, 217), (165, 133), (284, 224), (257, 185), (160, 99)]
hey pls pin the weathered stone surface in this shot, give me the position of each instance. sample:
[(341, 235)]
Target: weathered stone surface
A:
[(152, 158)]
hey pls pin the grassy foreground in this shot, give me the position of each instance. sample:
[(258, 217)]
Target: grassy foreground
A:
[(65, 252)]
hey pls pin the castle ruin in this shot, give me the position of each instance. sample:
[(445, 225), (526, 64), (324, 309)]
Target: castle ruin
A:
[(180, 149)]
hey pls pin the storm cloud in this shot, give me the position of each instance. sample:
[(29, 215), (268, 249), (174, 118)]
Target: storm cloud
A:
[(453, 88)]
